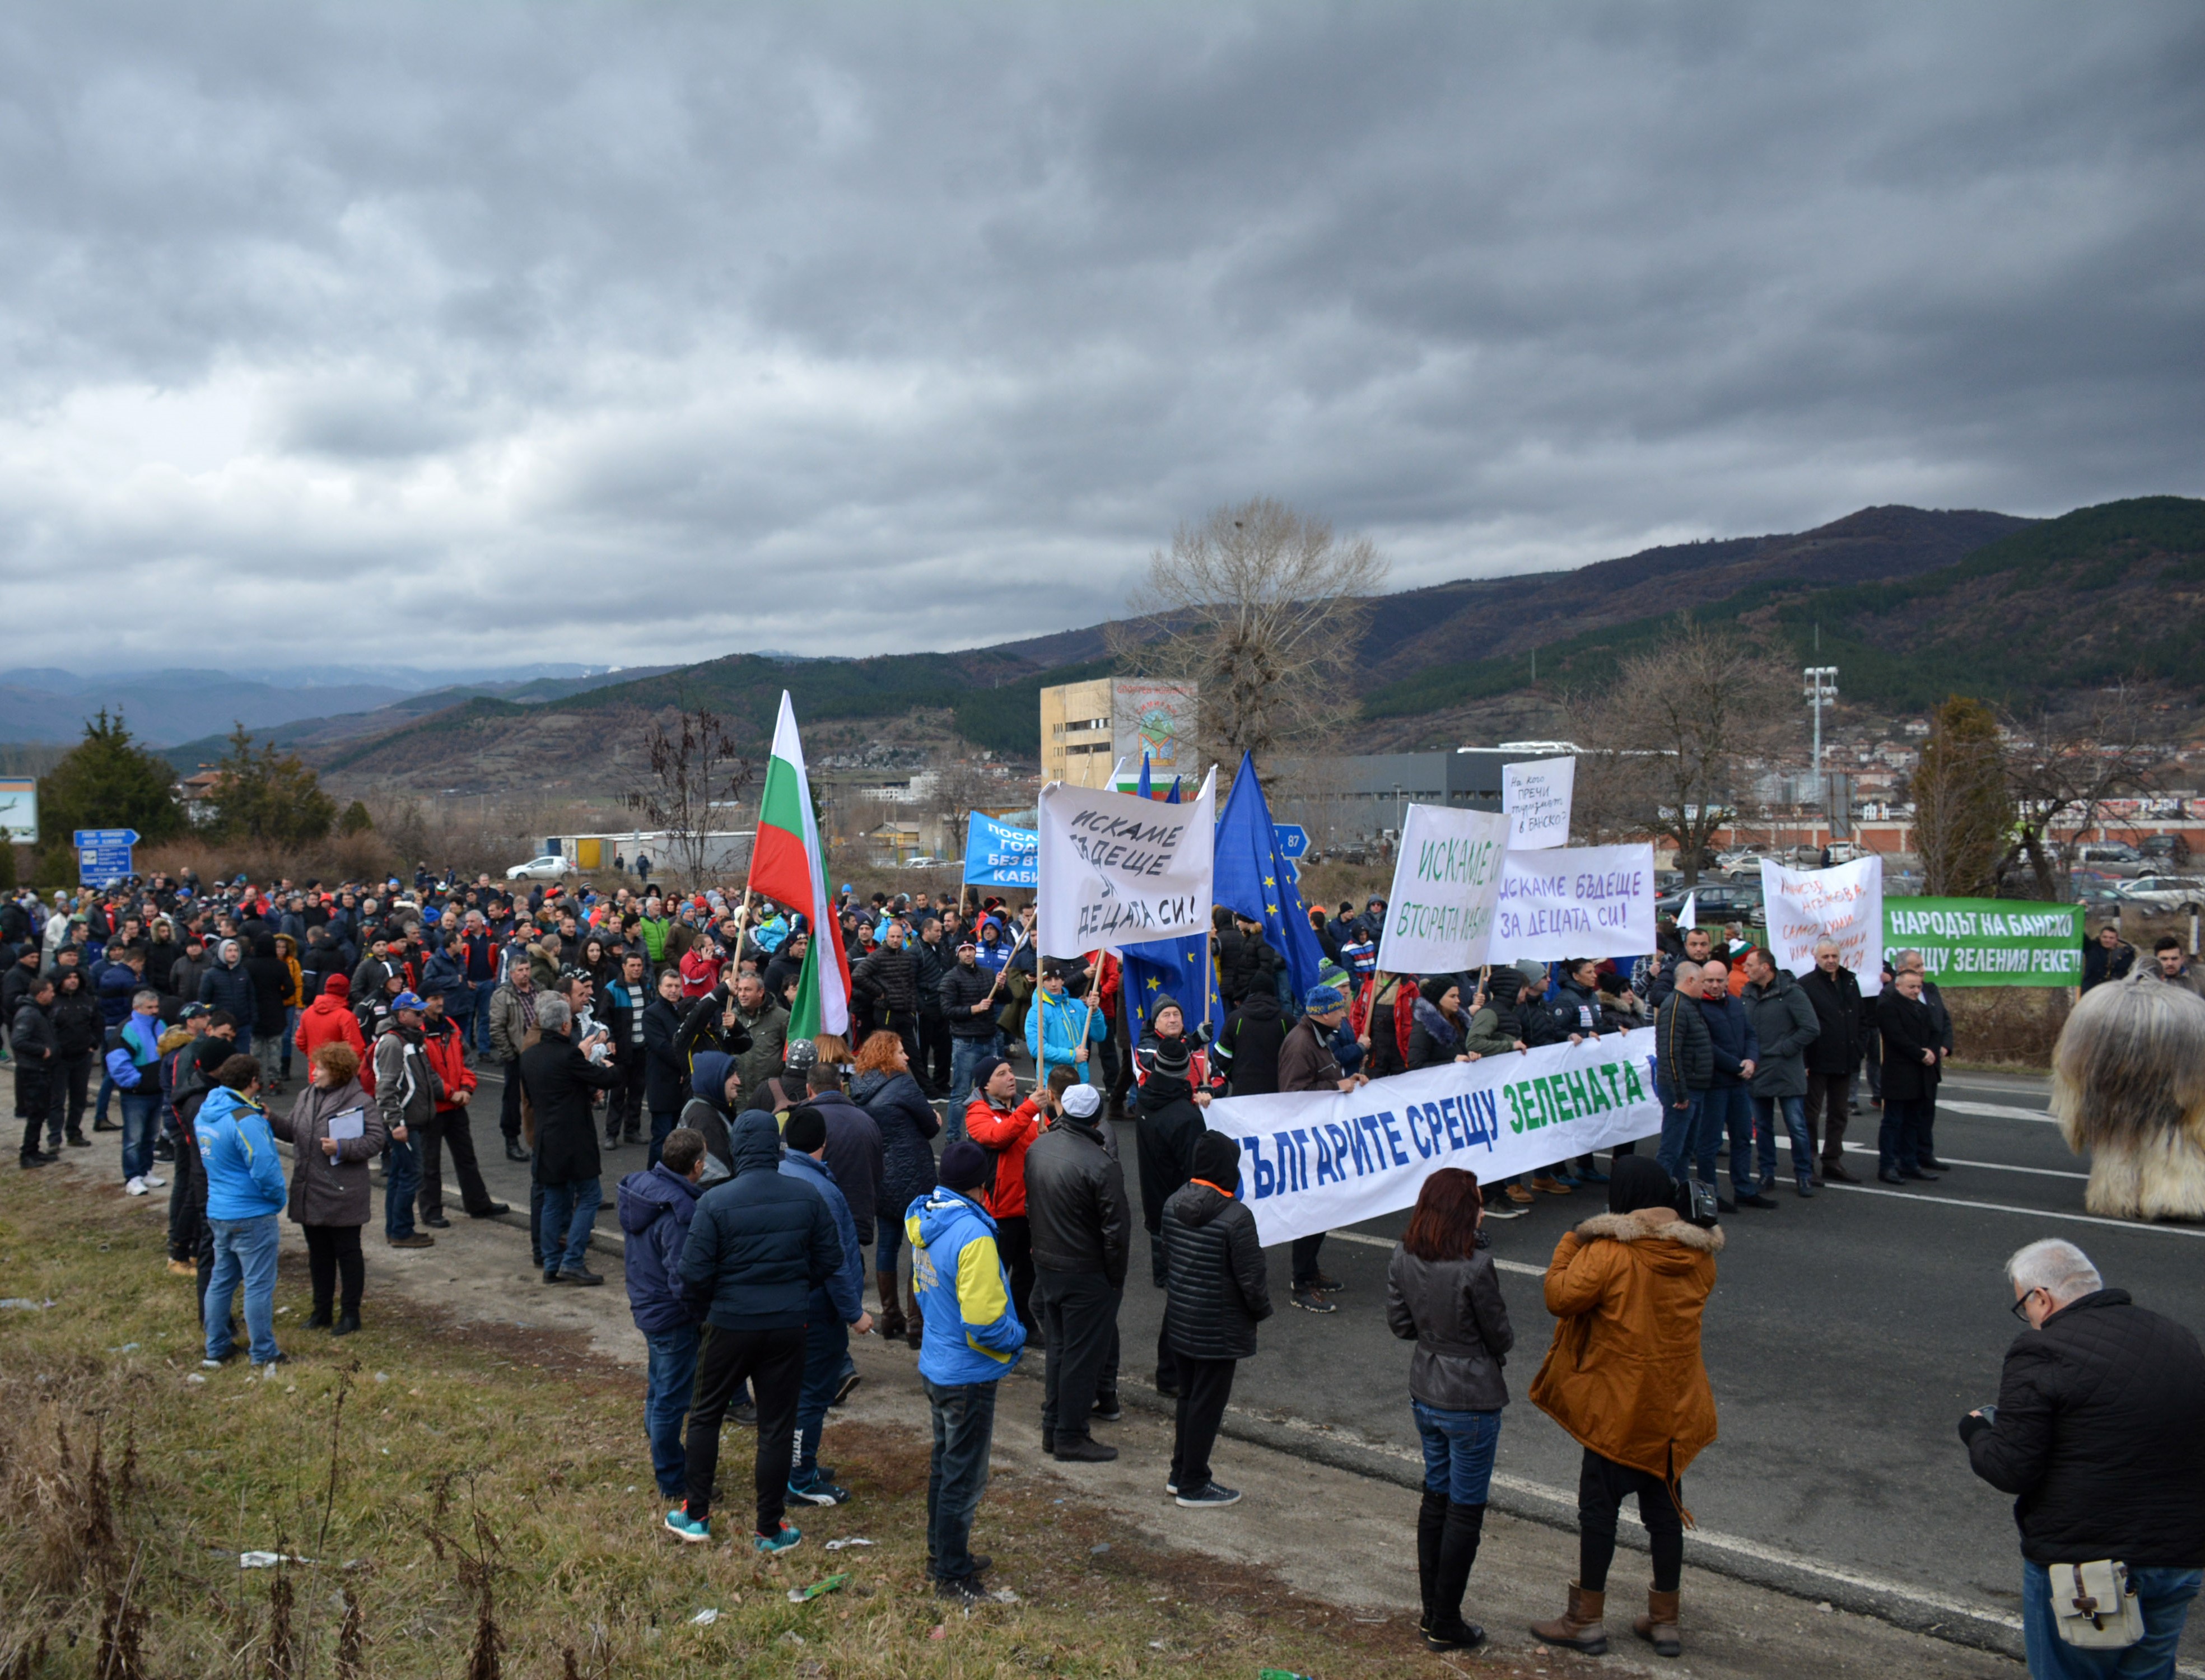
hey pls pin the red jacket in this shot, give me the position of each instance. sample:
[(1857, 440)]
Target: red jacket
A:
[(1008, 1136), (330, 1020), (700, 971), (447, 1052)]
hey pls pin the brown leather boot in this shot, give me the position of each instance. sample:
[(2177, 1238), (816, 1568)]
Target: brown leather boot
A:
[(915, 1333), (891, 1324), (1578, 1627), (1658, 1625)]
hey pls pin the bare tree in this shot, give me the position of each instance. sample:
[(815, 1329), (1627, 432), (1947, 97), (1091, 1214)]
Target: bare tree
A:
[(694, 766), (2063, 770), (1963, 813), (1672, 740), (1262, 610)]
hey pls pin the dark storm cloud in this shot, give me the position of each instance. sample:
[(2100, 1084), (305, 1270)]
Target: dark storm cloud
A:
[(651, 332)]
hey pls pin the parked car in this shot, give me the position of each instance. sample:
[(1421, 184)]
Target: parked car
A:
[(2165, 851), (2113, 857), (2095, 894), (549, 867), (2164, 893), (1717, 901)]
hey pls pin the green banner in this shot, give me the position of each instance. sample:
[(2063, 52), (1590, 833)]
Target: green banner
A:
[(1988, 941)]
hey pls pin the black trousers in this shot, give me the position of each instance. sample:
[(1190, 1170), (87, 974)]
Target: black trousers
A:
[(1121, 1061), (508, 1113), (183, 1219), (934, 1034), (772, 1361), (71, 1091), (624, 1111), (453, 1128), (1167, 1360), (1304, 1253), (1078, 1314), (1829, 1098), (1204, 1386), (333, 1253), (1014, 1244), (32, 1103), (1603, 1486)]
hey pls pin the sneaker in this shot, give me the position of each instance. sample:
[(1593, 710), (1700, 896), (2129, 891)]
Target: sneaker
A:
[(130, 1187), (844, 1388), (489, 1213), (745, 1414), (1082, 1450), (31, 1163), (415, 1241), (787, 1539), (967, 1590), (1757, 1200), (679, 1525), (164, 1150), (77, 1140), (1328, 1283), (153, 1180), (437, 1222), (1311, 1301), (1209, 1494), (818, 1491), (278, 1358), (215, 1363), (1106, 1408)]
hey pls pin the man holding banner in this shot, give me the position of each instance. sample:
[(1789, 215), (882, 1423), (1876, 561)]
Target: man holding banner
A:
[(1306, 1064)]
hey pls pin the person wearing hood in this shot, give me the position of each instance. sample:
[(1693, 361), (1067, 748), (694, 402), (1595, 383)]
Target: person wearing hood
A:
[(329, 1020), (1219, 1292), (228, 987), (715, 1097), (560, 1078), (334, 1129), (1443, 1294), (1786, 1027), (758, 1246), (835, 1310), (1172, 1066), (656, 1206), (77, 1036), (972, 1340), (245, 1195), (31, 1040), (272, 985), (1624, 1378), (1246, 1049), (886, 1090), (190, 969), (406, 1092), (1440, 1027)]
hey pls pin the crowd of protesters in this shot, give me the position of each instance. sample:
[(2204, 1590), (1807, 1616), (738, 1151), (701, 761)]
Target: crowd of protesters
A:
[(995, 1206)]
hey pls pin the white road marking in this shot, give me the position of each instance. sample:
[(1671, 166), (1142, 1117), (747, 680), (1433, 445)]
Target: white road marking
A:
[(2031, 1213), (1993, 1165), (1370, 1242), (1996, 1111)]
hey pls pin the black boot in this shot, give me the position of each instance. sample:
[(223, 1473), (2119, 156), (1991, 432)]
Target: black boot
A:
[(1465, 1525), (1431, 1518), (319, 1318)]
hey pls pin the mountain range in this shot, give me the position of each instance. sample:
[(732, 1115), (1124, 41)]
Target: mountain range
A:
[(1911, 604)]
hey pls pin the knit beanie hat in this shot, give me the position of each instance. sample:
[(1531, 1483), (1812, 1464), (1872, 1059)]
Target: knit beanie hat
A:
[(807, 1129), (965, 1165)]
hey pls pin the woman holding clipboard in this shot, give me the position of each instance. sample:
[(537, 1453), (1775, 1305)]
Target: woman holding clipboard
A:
[(334, 1131)]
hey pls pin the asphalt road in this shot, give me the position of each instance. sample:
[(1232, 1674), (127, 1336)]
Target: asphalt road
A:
[(1845, 1338)]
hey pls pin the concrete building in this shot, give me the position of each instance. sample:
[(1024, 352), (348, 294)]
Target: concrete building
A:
[(1350, 801), (1088, 727)]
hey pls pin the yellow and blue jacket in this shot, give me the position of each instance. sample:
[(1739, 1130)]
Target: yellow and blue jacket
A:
[(964, 1293)]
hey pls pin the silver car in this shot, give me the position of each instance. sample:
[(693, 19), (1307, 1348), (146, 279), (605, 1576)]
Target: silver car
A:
[(2164, 893)]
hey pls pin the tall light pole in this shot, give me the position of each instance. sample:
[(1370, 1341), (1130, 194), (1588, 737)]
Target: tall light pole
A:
[(1821, 690)]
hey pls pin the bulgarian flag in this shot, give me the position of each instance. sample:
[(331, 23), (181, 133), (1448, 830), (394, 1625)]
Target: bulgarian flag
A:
[(787, 866)]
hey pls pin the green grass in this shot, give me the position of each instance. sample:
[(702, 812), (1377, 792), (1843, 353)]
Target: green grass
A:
[(471, 1454)]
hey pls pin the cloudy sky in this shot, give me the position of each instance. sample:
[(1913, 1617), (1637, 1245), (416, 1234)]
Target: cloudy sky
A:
[(456, 332)]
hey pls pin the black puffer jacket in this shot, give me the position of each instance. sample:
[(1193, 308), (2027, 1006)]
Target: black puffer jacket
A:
[(961, 987), (907, 1124), (2098, 1438), (1452, 1309), (1837, 1001), (78, 1028), (1219, 1287), (1244, 964), (1247, 1051), (271, 979), (888, 980), (1684, 1055), (1077, 1210)]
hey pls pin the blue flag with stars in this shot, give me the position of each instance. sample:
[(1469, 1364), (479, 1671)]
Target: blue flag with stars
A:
[(1252, 879), (1173, 968)]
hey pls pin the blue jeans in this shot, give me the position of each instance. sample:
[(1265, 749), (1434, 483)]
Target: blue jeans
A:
[(891, 1241), (1458, 1449), (826, 1350), (964, 1427), (1731, 1106), (569, 1211), (401, 1178), (1680, 1128), (141, 1111), (244, 1252), (480, 1014), (965, 1055), (1795, 1122), (2164, 1596), (672, 1373)]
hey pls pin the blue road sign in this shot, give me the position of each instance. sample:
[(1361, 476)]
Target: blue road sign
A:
[(97, 865), (106, 837), (1293, 840)]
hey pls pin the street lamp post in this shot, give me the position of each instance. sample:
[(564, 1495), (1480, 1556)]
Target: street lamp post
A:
[(1821, 690)]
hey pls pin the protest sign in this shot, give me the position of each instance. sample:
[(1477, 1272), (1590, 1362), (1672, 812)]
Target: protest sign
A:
[(1536, 797), (1314, 1160), (1439, 916), (1119, 870), (996, 854), (1844, 904), (1574, 901), (1988, 942)]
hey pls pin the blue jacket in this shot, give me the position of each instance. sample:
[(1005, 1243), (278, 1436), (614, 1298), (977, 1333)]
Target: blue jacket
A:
[(441, 973), (245, 1176), (758, 1243), (972, 1335), (845, 1292), (1062, 1017), (117, 986), (1730, 1031), (227, 986), (655, 1210)]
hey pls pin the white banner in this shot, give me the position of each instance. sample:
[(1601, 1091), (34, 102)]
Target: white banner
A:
[(1118, 869), (1535, 797), (1844, 904), (1439, 916), (1575, 901), (1317, 1161)]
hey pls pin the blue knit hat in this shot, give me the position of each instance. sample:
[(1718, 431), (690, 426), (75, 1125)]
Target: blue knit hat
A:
[(1322, 1000)]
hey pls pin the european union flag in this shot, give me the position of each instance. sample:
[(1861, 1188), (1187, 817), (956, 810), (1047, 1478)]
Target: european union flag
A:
[(1252, 879), (1173, 968)]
